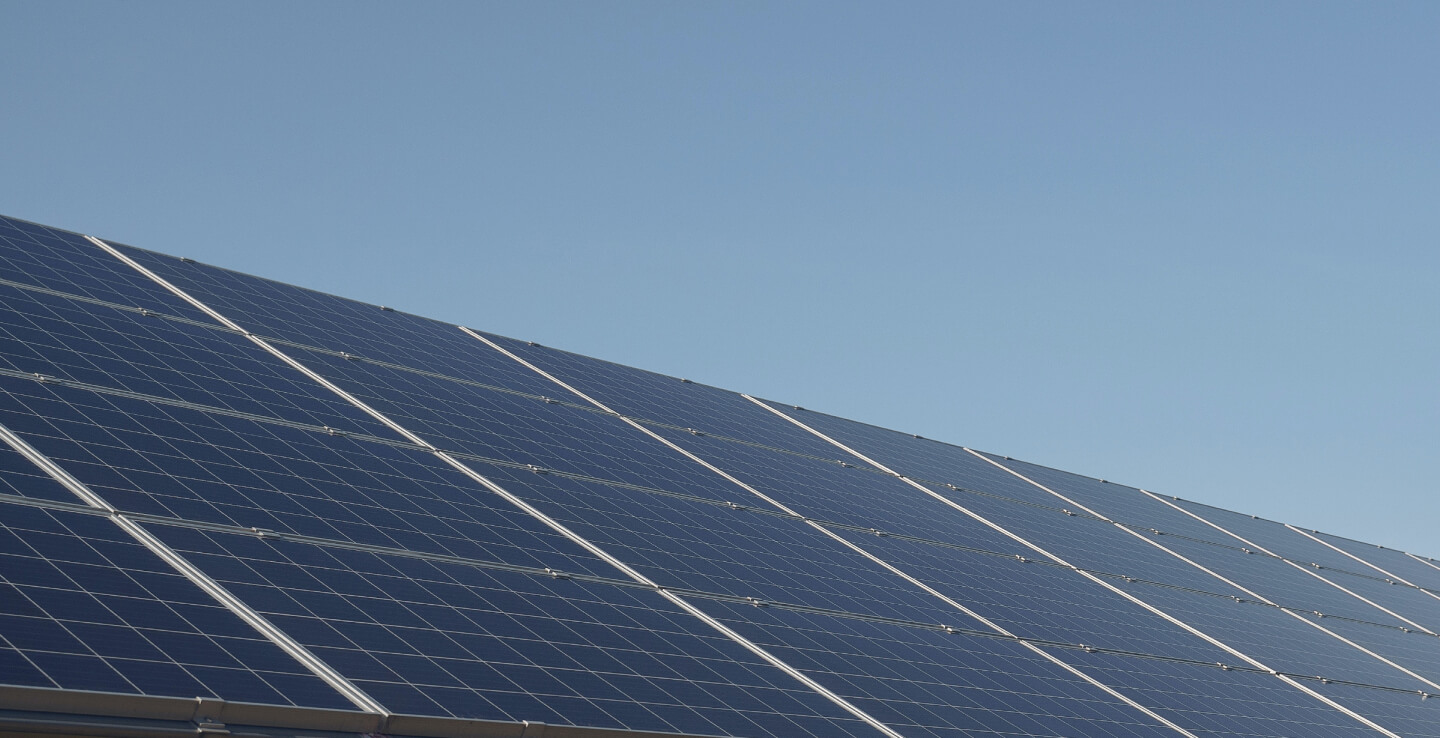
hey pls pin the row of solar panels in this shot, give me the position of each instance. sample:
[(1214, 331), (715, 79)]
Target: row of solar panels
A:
[(221, 486)]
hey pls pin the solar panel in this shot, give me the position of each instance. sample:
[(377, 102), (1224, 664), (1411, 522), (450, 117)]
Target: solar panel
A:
[(87, 607), (222, 487)]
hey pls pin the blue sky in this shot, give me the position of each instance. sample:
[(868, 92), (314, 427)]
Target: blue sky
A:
[(1190, 247)]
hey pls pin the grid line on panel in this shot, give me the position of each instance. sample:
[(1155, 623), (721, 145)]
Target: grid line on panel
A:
[(113, 305), (145, 519), (1390, 578), (212, 588), (1291, 563), (848, 544), (1258, 547), (1257, 596), (514, 500), (675, 495), (1000, 529), (1307, 611)]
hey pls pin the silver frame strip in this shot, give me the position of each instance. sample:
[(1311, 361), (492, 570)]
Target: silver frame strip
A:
[(511, 498), (1376, 567), (834, 536), (299, 652), (1260, 597), (1255, 595), (1424, 561), (1000, 529), (1298, 567)]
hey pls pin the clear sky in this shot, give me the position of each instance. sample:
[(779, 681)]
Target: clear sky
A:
[(1186, 246)]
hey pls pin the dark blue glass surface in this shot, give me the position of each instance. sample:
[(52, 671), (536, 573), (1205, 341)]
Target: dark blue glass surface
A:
[(920, 458), (1033, 600), (1209, 701), (930, 683), (1413, 649), (99, 345), (66, 262), (700, 546), (1420, 572), (84, 606), (850, 495), (1118, 502), (1277, 639), (1284, 584), (311, 318), (1255, 629), (186, 464), (520, 429), (449, 640), (656, 397), (21, 478), (1419, 608), (1406, 714), (1266, 576)]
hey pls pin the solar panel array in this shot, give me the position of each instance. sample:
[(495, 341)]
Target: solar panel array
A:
[(222, 487)]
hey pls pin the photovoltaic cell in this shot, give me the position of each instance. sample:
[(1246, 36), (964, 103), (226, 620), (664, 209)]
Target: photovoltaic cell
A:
[(930, 683), (1267, 576), (67, 339), (64, 261), (829, 491), (1277, 639), (656, 397), (1417, 572), (1260, 573), (1407, 602), (1208, 701), (1280, 582), (431, 638), (1406, 714), (203, 429), (311, 318), (1414, 650), (21, 478), (84, 606), (1118, 502), (190, 465), (695, 545), (1033, 600), (519, 429)]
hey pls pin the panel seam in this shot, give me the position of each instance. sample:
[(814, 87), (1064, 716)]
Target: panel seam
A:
[(1257, 596), (1137, 601), (214, 589), (1376, 567), (1288, 562), (831, 534), (511, 498)]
